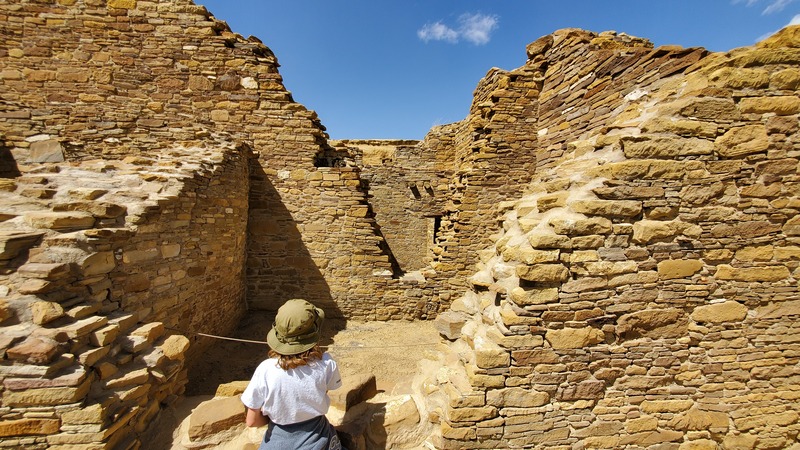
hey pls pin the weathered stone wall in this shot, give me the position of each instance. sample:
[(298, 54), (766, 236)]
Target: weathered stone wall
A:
[(405, 183), (644, 293), (105, 266)]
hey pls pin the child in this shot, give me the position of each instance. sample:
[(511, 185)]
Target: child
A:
[(289, 391)]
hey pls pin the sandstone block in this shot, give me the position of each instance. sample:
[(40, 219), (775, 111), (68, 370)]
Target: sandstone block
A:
[(231, 389), (46, 271), (739, 78), (98, 263), (681, 127), (641, 322), (569, 338), (665, 147), (60, 221), (649, 438), (489, 358), (645, 231), (48, 151), (516, 398), (641, 424), (666, 406), (34, 350), (354, 390), (122, 4), (783, 105), (545, 273), (708, 108), (698, 420), (46, 312), (85, 326), (528, 297), (449, 324), (47, 396), (29, 427), (471, 414), (673, 269), (585, 390), (609, 208), (532, 256), (752, 274), (125, 379), (104, 336), (730, 311), (742, 141), (175, 347), (792, 227), (214, 416), (539, 240), (535, 357), (647, 169), (699, 444), (387, 427), (149, 331)]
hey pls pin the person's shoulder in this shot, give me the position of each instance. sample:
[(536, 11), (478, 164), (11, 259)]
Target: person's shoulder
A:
[(327, 358)]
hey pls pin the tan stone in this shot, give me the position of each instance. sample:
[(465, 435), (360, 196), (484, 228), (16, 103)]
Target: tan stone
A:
[(699, 444), (742, 441), (46, 312), (792, 227), (149, 331), (641, 322), (61, 221), (34, 350), (672, 269), (29, 427), (788, 79), (698, 420), (781, 105), (214, 416), (610, 208), (569, 338), (98, 263), (471, 414), (354, 390), (527, 297), (666, 406), (729, 311), (665, 147), (742, 141), (681, 127), (752, 274), (760, 253), (123, 4), (740, 78), (545, 273), (647, 423), (516, 398), (175, 347), (231, 389), (105, 335), (47, 396)]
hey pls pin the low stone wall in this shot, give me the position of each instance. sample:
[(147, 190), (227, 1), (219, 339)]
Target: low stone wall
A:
[(644, 294), (107, 265)]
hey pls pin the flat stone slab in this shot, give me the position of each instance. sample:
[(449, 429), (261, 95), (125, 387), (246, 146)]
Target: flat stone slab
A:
[(354, 390), (214, 416)]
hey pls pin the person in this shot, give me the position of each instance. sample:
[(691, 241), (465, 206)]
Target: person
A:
[(289, 390)]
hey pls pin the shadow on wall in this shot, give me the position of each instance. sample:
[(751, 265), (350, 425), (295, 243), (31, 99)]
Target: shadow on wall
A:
[(8, 166), (279, 266)]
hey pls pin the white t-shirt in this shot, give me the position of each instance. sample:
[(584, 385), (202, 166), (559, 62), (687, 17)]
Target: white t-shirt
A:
[(294, 395)]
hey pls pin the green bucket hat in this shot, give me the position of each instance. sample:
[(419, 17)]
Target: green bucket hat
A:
[(297, 327)]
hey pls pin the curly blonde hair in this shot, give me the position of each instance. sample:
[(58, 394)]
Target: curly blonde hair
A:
[(287, 362)]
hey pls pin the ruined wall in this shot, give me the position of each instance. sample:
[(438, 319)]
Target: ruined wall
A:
[(644, 293), (105, 266), (405, 186), (96, 78)]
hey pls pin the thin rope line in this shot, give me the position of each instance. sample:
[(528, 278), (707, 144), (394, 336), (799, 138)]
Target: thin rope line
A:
[(248, 341)]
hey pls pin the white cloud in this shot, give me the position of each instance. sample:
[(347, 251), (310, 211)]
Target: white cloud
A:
[(795, 21), (773, 6), (477, 28), (474, 28), (437, 32)]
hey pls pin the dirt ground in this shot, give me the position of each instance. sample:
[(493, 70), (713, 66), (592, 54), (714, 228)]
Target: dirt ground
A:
[(389, 350)]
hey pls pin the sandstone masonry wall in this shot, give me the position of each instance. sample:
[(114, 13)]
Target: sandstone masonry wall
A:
[(105, 265), (644, 293)]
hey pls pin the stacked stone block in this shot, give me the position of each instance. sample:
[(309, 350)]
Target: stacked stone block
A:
[(116, 263), (644, 294)]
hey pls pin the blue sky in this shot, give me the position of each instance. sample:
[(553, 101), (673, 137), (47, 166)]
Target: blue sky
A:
[(380, 69)]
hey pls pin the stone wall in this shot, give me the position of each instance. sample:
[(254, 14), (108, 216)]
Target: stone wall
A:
[(105, 266), (643, 294)]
